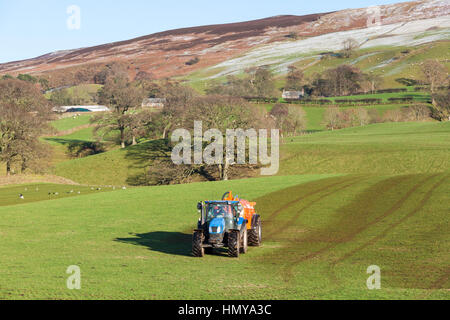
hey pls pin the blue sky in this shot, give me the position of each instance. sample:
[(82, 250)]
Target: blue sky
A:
[(29, 28)]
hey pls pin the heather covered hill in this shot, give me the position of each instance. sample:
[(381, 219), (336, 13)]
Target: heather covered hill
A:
[(167, 53)]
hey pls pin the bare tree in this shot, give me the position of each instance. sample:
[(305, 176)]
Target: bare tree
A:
[(394, 115), (435, 73), (371, 82), (291, 121), (295, 79), (262, 82), (121, 96), (280, 112), (331, 117), (418, 112), (24, 113), (138, 122), (362, 116), (349, 46)]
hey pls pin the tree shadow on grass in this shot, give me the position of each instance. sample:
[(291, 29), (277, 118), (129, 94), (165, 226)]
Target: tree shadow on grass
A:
[(143, 156), (64, 141), (175, 243)]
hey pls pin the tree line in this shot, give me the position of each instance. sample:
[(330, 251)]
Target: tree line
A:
[(24, 112)]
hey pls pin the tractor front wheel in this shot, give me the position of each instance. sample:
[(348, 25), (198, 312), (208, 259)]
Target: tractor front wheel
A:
[(234, 244), (197, 245)]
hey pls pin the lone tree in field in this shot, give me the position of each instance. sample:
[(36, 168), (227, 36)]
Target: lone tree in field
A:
[(438, 78), (436, 74), (262, 82), (349, 46), (121, 96), (331, 117), (138, 122), (291, 121), (371, 82), (24, 113)]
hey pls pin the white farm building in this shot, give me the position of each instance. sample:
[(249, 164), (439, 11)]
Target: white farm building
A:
[(65, 109)]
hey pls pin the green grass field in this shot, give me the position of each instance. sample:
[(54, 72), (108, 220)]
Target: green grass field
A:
[(321, 233), (68, 123), (82, 135), (386, 148), (417, 96)]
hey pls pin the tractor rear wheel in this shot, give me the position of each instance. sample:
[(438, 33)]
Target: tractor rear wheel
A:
[(197, 245), (244, 241), (255, 234), (234, 244)]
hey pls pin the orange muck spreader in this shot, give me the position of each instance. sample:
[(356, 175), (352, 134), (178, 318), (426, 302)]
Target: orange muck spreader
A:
[(230, 222)]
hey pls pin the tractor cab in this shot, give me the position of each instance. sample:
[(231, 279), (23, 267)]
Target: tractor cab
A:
[(227, 210)]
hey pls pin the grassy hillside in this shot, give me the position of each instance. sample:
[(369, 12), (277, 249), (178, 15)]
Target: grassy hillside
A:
[(111, 168), (320, 235), (389, 62), (68, 123), (388, 148)]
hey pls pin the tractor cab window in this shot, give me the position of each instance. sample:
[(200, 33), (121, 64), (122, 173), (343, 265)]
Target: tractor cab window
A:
[(219, 210)]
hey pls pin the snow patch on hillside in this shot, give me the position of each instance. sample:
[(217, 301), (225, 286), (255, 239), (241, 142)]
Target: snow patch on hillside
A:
[(280, 54)]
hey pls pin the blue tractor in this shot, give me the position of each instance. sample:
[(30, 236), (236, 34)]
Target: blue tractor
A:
[(226, 223)]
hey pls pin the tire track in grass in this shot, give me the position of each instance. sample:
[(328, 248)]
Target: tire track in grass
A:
[(267, 201), (353, 181), (288, 273), (422, 203), (386, 231), (439, 283), (436, 285), (296, 200)]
